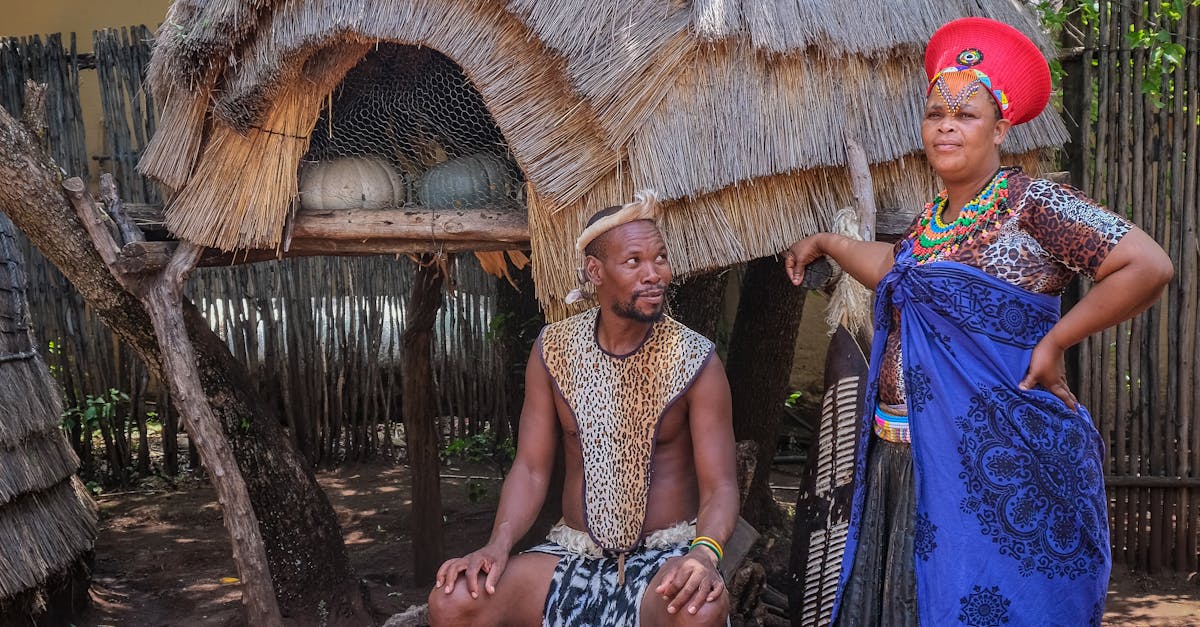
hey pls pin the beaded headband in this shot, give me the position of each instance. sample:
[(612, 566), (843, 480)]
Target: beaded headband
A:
[(974, 54), (957, 84)]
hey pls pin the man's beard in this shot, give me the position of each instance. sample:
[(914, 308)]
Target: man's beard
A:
[(629, 310)]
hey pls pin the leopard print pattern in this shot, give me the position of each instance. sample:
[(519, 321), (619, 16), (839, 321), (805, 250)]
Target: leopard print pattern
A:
[(1051, 233), (616, 402)]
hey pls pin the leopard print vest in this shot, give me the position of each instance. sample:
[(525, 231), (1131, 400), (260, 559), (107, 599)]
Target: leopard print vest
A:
[(617, 401)]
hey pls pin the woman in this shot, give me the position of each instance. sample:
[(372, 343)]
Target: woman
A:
[(980, 495)]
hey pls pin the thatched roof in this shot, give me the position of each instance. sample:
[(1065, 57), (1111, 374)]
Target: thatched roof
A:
[(47, 519), (734, 111)]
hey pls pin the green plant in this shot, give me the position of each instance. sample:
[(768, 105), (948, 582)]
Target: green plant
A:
[(54, 349), (93, 410), (480, 448), (1165, 56), (793, 398), (1156, 33), (476, 490)]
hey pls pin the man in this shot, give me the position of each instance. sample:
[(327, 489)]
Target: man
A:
[(636, 398)]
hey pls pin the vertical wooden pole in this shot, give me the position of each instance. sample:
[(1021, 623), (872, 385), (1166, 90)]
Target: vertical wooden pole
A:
[(420, 421)]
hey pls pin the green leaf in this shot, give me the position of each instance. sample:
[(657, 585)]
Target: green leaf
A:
[(1135, 38), (1173, 54)]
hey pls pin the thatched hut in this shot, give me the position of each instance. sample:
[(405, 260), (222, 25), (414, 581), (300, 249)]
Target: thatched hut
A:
[(736, 112), (47, 519)]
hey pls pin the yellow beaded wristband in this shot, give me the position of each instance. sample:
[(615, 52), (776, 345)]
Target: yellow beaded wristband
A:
[(709, 543)]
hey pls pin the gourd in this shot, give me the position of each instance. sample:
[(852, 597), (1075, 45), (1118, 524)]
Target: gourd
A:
[(350, 183), (465, 182)]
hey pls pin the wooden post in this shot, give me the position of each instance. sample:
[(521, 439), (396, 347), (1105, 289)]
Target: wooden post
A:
[(863, 191), (861, 185), (420, 420), (162, 295)]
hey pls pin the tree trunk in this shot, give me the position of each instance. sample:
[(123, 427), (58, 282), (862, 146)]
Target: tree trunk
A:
[(697, 302), (170, 435), (760, 360), (516, 329), (420, 421), (137, 405), (163, 300), (303, 540)]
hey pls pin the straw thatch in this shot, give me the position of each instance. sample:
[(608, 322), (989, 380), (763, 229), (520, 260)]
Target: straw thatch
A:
[(47, 519), (847, 27), (736, 112)]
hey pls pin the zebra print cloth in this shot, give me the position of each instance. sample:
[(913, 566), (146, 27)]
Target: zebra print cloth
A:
[(584, 590)]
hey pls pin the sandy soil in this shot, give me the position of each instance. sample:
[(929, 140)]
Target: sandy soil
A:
[(162, 557)]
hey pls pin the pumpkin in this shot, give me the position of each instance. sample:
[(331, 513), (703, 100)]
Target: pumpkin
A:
[(471, 181), (350, 183)]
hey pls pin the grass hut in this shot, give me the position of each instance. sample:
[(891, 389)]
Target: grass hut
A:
[(736, 112), (47, 519)]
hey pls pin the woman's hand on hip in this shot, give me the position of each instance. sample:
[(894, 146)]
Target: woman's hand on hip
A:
[(1047, 368)]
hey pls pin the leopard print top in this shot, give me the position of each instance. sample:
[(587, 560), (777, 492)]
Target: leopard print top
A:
[(616, 402), (1052, 233)]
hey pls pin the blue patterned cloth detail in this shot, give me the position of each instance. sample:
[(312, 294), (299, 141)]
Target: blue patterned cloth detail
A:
[(1011, 525)]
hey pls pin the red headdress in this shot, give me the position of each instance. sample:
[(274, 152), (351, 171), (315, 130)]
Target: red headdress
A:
[(974, 53)]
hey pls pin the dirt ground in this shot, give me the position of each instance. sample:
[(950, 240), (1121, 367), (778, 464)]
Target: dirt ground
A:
[(162, 557)]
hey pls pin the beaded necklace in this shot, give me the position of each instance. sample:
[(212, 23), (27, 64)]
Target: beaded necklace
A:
[(934, 236)]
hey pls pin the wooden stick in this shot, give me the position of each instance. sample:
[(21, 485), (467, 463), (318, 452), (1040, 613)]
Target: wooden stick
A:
[(860, 185), (89, 215), (116, 211)]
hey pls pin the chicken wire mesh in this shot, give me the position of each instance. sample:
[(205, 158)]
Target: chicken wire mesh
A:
[(406, 128)]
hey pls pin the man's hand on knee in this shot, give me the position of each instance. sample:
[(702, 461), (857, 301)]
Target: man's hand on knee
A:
[(488, 560), (689, 581)]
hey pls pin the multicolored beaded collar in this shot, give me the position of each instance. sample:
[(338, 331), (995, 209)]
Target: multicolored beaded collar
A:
[(933, 237)]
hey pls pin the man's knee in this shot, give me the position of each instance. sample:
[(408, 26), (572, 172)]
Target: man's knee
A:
[(713, 613), (710, 614), (455, 608)]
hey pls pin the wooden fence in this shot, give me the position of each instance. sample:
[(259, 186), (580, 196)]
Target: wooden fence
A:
[(322, 339), (1140, 379), (58, 66)]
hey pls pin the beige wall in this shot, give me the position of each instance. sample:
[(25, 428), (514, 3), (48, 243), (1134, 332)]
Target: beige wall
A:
[(19, 18)]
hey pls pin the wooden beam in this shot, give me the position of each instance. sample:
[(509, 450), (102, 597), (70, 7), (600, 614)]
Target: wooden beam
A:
[(145, 215), (415, 224), (147, 257), (1125, 481), (892, 222), (487, 224), (327, 247)]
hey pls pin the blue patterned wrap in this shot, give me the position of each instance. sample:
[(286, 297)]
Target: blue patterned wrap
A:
[(1011, 525)]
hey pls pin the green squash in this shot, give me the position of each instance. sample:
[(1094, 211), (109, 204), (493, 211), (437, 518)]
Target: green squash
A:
[(472, 181)]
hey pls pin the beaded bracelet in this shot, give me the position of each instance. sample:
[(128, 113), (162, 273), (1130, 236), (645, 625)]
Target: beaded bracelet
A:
[(709, 544)]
